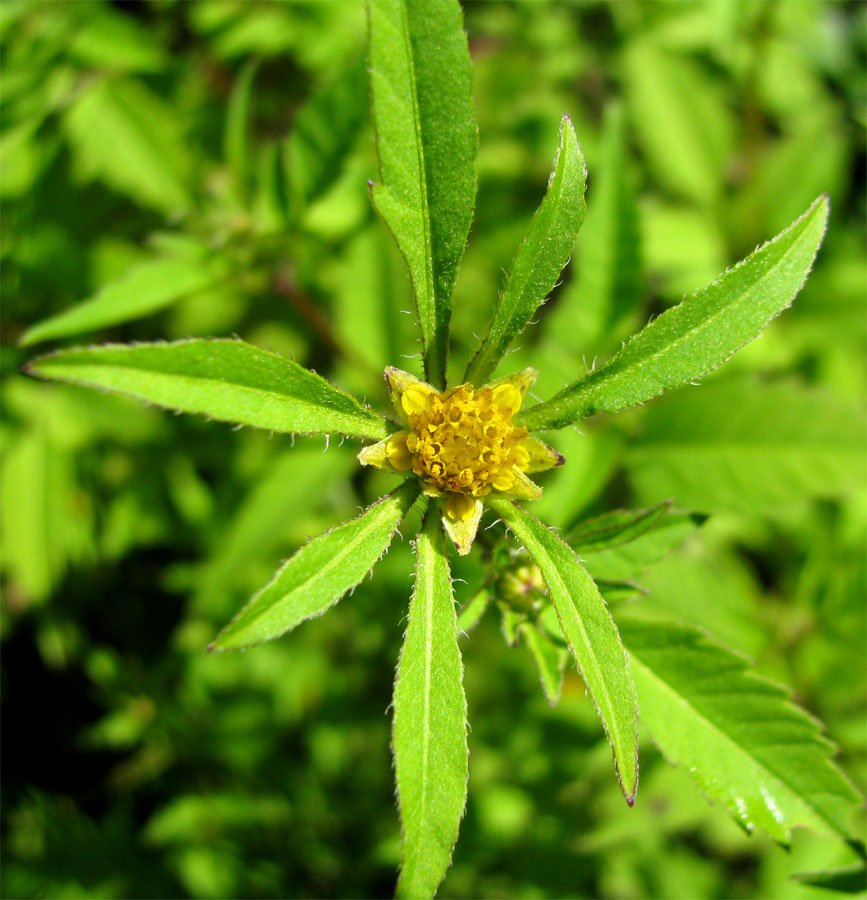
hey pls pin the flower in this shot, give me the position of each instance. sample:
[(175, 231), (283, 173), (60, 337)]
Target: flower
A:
[(462, 444)]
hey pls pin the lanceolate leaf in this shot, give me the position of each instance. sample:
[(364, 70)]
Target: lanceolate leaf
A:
[(590, 633), (748, 747), (547, 656), (225, 379), (148, 287), (427, 141), (699, 334), (430, 722), (620, 526), (319, 574), (545, 250)]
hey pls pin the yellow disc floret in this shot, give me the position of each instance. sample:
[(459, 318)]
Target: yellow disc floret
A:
[(462, 442)]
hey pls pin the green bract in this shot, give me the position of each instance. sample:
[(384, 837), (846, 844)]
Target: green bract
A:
[(457, 447)]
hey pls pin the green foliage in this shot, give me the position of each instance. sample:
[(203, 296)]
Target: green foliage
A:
[(698, 335), (227, 380), (591, 635), (748, 747), (319, 574), (173, 171), (541, 257), (429, 735), (427, 142)]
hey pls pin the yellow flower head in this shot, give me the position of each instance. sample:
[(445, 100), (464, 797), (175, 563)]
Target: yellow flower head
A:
[(462, 444)]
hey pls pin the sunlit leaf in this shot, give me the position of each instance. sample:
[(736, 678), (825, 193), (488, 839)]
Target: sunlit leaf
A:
[(430, 722), (228, 380), (699, 334), (591, 634), (319, 574), (541, 257), (746, 744), (427, 141)]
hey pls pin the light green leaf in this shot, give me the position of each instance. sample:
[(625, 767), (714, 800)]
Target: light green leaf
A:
[(541, 257), (430, 722), (236, 134), (849, 879), (319, 574), (748, 747), (619, 526), (228, 380), (427, 141), (699, 334), (743, 445), (124, 134), (323, 133), (549, 659), (590, 633), (146, 288), (608, 284)]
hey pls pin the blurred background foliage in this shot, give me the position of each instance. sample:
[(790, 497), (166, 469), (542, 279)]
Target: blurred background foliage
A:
[(209, 163)]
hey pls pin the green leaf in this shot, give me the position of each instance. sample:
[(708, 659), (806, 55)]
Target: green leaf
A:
[(323, 133), (849, 879), (747, 446), (430, 722), (124, 134), (541, 257), (281, 495), (427, 141), (236, 136), (548, 658), (590, 633), (472, 611), (699, 334), (608, 284), (646, 536), (748, 747), (225, 379), (146, 288), (319, 574)]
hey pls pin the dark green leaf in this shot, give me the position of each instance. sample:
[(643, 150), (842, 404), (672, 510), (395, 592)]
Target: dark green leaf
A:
[(541, 257), (427, 141)]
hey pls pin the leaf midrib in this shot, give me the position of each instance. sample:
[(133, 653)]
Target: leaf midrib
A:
[(433, 348), (208, 379), (310, 583), (728, 739), (589, 388)]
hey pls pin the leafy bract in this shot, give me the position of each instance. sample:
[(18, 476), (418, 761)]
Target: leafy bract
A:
[(146, 288), (748, 446), (427, 141), (319, 574), (590, 633), (430, 722), (225, 379), (748, 747), (698, 334), (541, 257)]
